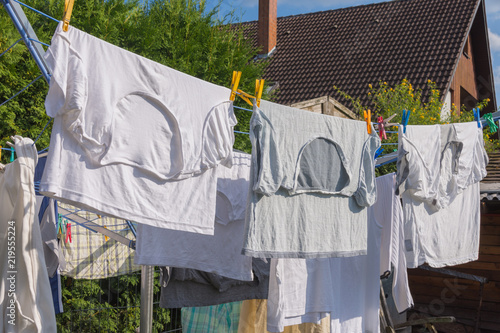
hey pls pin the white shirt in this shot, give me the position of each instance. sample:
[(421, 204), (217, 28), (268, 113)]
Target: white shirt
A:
[(24, 285), (219, 253), (442, 224), (127, 129)]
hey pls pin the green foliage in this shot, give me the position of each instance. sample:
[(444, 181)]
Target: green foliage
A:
[(108, 305)]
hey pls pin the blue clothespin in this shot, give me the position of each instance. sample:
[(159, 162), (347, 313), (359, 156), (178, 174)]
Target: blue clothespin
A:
[(379, 152), (405, 118), (477, 116)]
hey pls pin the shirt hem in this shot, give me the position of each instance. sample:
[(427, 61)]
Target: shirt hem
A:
[(161, 261), (453, 261), (303, 255), (82, 201)]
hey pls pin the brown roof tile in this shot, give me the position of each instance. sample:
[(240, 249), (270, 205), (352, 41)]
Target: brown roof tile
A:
[(356, 46)]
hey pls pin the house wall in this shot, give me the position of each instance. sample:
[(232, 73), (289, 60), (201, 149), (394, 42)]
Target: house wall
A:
[(463, 88), (446, 109)]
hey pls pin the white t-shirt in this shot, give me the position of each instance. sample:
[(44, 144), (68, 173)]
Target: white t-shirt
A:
[(442, 220), (127, 129), (219, 253)]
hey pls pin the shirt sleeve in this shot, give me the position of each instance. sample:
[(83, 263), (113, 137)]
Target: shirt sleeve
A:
[(366, 194), (265, 156)]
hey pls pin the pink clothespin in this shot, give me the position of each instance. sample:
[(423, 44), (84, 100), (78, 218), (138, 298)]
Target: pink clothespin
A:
[(381, 128), (68, 232)]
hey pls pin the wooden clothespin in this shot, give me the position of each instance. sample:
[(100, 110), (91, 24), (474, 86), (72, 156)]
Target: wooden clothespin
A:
[(234, 84), (68, 9), (259, 88), (405, 118), (368, 119), (387, 121)]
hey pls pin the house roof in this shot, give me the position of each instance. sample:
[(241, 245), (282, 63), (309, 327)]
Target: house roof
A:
[(357, 46)]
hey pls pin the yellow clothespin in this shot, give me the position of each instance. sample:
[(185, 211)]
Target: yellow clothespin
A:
[(246, 97), (368, 119), (259, 87), (234, 84), (105, 237), (0, 153), (68, 9)]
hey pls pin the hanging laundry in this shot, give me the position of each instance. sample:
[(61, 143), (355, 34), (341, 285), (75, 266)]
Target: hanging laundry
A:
[(127, 130), (46, 211), (307, 290), (388, 211), (25, 282), (47, 217), (439, 169), (90, 256), (182, 287), (253, 319), (218, 254), (312, 178), (215, 318)]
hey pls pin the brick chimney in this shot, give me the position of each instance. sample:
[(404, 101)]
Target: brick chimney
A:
[(268, 24)]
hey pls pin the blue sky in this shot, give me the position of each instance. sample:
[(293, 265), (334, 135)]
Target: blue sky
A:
[(248, 11)]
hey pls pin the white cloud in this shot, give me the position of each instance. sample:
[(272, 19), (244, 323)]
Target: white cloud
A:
[(494, 41)]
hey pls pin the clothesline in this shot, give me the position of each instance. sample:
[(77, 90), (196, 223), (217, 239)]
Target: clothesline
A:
[(15, 95), (36, 11), (15, 43)]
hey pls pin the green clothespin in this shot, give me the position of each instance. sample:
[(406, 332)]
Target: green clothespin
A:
[(12, 150), (58, 226), (491, 123)]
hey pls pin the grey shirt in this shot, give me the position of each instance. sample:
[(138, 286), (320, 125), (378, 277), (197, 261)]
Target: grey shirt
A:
[(312, 178), (183, 287)]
